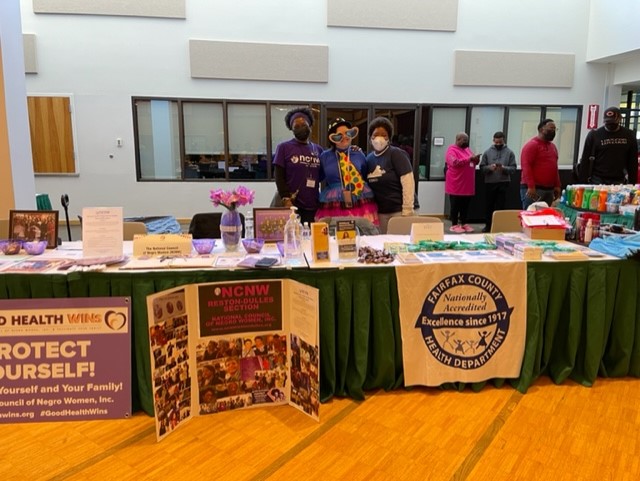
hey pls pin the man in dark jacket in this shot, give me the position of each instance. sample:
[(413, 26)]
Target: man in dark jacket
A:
[(610, 154)]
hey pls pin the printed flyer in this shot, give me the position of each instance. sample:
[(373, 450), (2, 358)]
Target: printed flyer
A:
[(65, 359), (233, 345)]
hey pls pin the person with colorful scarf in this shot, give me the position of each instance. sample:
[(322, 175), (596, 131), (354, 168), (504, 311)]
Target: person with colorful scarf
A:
[(343, 169)]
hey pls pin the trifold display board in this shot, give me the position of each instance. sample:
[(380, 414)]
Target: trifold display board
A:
[(233, 345)]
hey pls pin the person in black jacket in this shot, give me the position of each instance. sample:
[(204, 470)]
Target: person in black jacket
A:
[(610, 153)]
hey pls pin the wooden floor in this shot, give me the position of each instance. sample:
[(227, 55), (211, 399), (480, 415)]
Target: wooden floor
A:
[(565, 432)]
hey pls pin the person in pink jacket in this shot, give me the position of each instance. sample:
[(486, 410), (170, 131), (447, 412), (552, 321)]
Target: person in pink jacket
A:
[(460, 183)]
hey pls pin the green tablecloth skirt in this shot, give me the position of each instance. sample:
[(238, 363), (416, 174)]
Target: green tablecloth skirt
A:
[(582, 319)]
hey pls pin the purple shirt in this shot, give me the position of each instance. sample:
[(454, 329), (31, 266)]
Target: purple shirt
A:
[(301, 162)]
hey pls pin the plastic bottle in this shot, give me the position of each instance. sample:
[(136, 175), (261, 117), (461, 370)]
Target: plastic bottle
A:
[(248, 226), (569, 233), (568, 192), (577, 198), (602, 200), (586, 197), (588, 231), (594, 201), (306, 236), (293, 254)]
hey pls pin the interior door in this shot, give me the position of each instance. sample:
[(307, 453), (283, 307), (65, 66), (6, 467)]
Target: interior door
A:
[(51, 135)]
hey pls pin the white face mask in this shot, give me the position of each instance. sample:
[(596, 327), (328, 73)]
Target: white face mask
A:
[(379, 143)]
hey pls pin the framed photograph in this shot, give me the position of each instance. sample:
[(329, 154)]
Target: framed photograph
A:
[(30, 225), (268, 223)]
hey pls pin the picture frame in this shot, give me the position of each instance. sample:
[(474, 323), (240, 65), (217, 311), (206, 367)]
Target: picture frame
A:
[(268, 223), (30, 225)]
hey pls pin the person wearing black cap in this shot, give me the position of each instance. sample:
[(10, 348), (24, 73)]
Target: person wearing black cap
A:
[(343, 169), (610, 153), (297, 165)]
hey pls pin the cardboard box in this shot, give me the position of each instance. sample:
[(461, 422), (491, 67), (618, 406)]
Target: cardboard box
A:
[(544, 233)]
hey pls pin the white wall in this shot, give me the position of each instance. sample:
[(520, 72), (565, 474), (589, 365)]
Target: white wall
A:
[(24, 193), (103, 61), (613, 29)]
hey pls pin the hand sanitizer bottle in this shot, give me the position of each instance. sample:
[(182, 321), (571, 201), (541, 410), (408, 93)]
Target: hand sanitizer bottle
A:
[(293, 240)]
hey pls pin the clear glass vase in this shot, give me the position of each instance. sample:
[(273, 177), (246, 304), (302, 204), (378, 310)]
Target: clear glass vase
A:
[(231, 229)]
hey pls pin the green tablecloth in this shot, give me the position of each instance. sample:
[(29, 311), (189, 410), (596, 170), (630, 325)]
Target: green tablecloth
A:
[(582, 319)]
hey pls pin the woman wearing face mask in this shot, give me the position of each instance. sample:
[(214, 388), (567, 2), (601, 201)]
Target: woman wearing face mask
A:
[(460, 181), (539, 160), (343, 169), (390, 174), (297, 165)]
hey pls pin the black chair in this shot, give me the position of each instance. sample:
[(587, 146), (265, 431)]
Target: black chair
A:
[(207, 225)]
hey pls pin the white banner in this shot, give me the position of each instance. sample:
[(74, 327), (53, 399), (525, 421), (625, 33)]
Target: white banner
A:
[(462, 322)]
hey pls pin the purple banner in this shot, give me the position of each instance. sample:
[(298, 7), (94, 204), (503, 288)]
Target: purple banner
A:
[(65, 359)]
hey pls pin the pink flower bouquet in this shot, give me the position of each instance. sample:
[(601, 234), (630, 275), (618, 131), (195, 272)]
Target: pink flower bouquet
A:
[(232, 199)]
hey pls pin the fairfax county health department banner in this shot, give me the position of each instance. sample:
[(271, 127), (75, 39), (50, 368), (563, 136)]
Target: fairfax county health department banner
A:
[(462, 322), (65, 359)]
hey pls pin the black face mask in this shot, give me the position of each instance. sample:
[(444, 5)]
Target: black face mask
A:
[(499, 146), (464, 145), (549, 136), (611, 127), (301, 132)]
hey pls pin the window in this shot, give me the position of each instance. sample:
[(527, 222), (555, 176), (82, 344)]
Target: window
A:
[(247, 139), (192, 140), (447, 123), (204, 144), (566, 120), (158, 140), (522, 126), (485, 121)]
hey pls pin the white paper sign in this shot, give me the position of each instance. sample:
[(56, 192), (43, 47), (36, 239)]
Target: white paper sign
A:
[(102, 231), (427, 231)]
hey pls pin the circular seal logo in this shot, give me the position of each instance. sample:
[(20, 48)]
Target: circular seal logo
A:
[(464, 320)]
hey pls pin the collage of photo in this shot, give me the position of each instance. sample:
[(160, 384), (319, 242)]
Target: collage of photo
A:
[(305, 383), (169, 337), (237, 372)]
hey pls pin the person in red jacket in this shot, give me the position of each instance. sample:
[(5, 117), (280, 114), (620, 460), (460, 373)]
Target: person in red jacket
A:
[(539, 160)]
